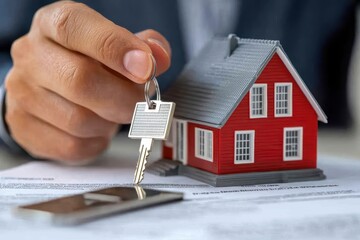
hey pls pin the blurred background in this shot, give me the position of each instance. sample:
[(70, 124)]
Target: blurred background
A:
[(345, 142)]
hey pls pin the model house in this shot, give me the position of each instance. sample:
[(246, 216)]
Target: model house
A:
[(243, 116)]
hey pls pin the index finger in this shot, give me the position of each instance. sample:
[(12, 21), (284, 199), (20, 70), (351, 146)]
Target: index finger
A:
[(80, 28)]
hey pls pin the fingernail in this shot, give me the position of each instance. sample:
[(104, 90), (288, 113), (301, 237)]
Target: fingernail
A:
[(138, 63), (159, 43)]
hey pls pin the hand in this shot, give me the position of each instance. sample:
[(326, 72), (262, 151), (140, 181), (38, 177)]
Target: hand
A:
[(76, 77)]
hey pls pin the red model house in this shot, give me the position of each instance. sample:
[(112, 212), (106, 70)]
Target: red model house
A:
[(241, 107)]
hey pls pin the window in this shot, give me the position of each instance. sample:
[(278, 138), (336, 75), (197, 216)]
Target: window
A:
[(204, 144), (283, 99), (244, 147), (258, 101), (293, 138)]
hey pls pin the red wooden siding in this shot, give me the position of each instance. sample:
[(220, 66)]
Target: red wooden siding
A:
[(191, 159), (167, 152), (269, 131)]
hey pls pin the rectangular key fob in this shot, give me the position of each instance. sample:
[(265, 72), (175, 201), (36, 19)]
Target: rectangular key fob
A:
[(152, 123)]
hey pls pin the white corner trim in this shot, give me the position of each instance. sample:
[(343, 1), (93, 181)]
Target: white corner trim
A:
[(252, 146), (290, 99), (321, 115), (169, 141), (265, 100), (301, 139)]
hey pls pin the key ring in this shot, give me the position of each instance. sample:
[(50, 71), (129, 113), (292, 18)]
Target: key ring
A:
[(150, 103)]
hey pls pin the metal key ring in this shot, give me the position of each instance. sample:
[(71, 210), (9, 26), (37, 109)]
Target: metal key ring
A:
[(150, 103)]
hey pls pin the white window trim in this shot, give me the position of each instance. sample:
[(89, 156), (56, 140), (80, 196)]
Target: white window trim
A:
[(300, 157), (290, 99), (252, 147), (174, 135), (197, 147), (265, 104)]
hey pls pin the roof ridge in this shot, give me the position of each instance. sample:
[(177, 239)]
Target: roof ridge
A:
[(261, 41), (211, 76)]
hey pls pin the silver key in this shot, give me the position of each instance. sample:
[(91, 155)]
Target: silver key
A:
[(151, 120)]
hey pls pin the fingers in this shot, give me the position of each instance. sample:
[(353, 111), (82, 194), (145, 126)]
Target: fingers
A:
[(69, 117), (79, 28), (160, 48), (78, 79), (70, 80), (42, 140)]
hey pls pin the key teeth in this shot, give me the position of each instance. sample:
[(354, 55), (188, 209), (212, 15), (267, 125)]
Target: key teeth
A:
[(142, 171), (139, 176)]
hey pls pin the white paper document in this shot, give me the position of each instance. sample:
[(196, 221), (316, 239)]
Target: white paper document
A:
[(327, 209)]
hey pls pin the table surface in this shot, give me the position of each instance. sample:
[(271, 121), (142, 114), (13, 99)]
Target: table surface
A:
[(309, 210)]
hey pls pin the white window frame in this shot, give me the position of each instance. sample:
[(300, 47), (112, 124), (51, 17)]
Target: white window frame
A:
[(300, 144), (251, 143), (290, 99), (265, 101), (208, 147), (175, 139)]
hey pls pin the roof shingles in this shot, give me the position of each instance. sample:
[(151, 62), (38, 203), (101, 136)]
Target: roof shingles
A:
[(211, 85)]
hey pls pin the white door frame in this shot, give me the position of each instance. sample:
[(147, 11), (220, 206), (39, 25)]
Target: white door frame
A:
[(176, 137)]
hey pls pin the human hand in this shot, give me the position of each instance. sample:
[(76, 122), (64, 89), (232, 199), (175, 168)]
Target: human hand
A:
[(76, 76)]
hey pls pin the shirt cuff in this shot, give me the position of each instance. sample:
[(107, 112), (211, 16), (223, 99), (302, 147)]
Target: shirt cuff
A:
[(4, 131)]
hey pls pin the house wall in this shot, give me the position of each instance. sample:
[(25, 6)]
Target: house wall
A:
[(198, 162), (269, 131), (191, 159), (167, 151)]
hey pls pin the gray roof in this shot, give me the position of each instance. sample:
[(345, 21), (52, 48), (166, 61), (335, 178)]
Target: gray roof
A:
[(212, 85)]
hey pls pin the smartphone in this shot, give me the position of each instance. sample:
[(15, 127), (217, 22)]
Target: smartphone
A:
[(88, 206)]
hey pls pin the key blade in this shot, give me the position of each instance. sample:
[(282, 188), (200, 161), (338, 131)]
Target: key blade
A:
[(140, 192), (144, 150), (140, 167)]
